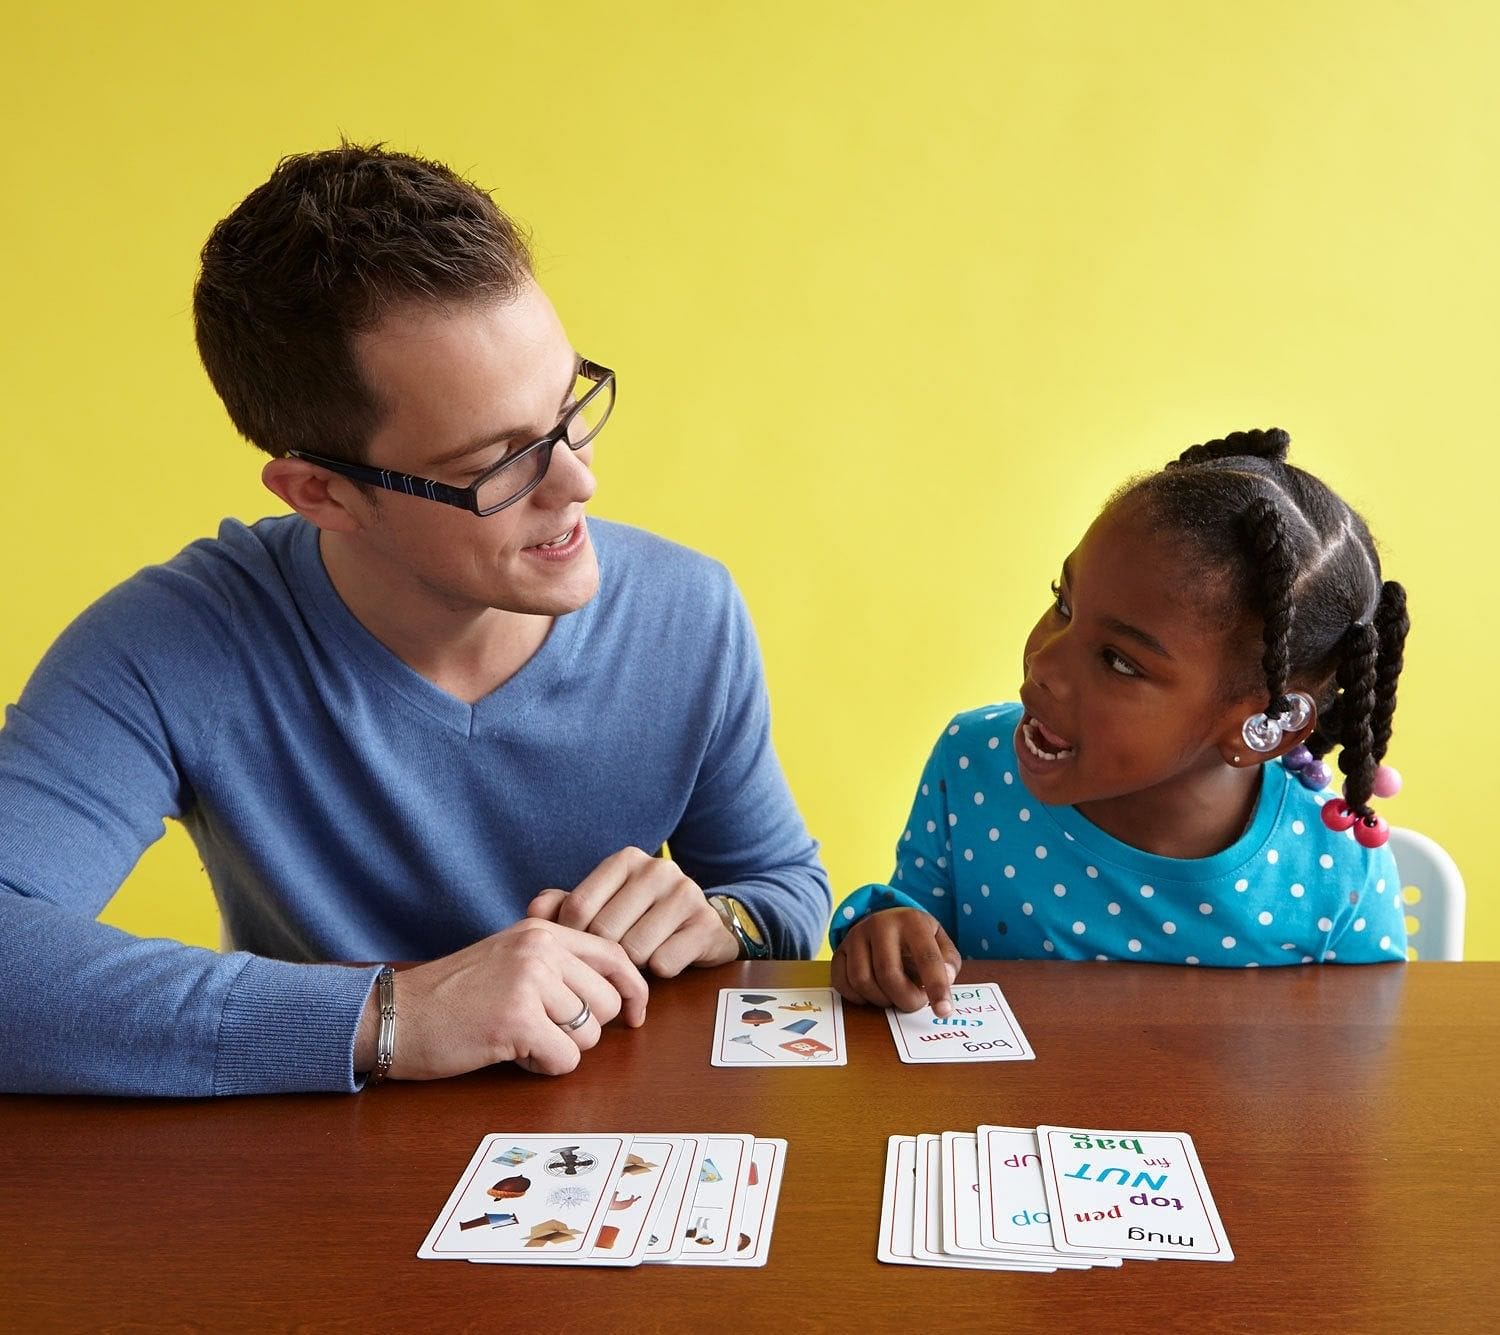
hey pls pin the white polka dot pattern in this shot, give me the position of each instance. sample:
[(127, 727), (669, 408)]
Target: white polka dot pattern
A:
[(1287, 874)]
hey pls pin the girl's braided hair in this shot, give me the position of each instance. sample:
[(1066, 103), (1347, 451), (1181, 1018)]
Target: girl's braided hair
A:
[(1303, 561)]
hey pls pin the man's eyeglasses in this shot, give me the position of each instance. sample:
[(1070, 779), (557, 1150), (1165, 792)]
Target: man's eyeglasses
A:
[(592, 400)]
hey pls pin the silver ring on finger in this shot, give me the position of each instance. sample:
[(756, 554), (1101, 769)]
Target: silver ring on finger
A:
[(578, 1021)]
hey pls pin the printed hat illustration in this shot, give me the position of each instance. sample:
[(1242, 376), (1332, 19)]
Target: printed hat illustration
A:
[(635, 1164), (550, 1230), (756, 1017), (757, 998), (508, 1188)]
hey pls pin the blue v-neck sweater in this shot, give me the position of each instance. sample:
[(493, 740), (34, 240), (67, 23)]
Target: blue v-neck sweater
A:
[(347, 809)]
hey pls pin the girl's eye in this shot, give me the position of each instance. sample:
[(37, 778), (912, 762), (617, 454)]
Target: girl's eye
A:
[(1059, 602), (1116, 663)]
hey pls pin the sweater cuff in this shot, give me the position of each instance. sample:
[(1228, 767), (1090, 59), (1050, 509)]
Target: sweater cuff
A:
[(290, 1028), (862, 903)]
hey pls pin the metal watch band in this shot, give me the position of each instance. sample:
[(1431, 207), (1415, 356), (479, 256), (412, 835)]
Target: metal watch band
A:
[(735, 916), (385, 1042)]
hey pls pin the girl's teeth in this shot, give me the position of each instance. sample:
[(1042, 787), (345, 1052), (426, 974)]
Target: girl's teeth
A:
[(1030, 734), (1050, 738)]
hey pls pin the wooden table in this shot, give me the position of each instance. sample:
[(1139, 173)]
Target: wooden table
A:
[(1346, 1118)]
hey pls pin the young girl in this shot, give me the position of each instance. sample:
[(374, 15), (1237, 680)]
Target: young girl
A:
[(1226, 611)]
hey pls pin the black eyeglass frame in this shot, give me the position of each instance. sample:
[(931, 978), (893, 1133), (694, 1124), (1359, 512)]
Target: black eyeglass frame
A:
[(467, 498)]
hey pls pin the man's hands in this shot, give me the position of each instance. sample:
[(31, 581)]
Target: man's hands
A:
[(504, 999), (897, 957), (661, 918), (507, 997)]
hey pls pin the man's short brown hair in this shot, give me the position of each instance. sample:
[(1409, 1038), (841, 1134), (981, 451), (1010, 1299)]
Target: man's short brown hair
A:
[(316, 256)]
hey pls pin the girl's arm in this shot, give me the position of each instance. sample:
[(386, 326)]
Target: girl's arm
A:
[(892, 940)]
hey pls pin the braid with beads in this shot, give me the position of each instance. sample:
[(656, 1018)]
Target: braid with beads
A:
[(1297, 555), (1278, 569), (1391, 626), (1357, 673)]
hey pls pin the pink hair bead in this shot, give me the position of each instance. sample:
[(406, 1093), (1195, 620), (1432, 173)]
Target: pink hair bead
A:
[(1372, 832), (1337, 816), (1387, 781)]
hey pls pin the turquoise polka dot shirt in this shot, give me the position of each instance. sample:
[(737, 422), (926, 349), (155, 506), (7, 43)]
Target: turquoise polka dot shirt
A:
[(1012, 878)]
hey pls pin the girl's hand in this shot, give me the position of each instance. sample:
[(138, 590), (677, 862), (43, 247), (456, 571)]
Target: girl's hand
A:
[(897, 957)]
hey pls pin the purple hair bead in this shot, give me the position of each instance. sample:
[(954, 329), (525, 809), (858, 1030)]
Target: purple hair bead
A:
[(1298, 759), (1316, 776)]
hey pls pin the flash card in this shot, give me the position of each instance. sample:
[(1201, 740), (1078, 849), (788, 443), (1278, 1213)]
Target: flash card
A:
[(643, 1182), (981, 1029), (928, 1241), (1129, 1193), (898, 1205), (902, 1217), (801, 1026), (713, 1220), (1013, 1212), (665, 1228), (961, 1232), (762, 1191), (530, 1199)]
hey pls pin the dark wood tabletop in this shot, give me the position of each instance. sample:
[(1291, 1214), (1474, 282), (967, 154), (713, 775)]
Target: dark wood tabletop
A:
[(1346, 1120)]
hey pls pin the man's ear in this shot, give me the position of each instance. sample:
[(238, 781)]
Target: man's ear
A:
[(320, 497), (1239, 753)]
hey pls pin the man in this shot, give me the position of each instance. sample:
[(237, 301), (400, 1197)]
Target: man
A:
[(435, 714)]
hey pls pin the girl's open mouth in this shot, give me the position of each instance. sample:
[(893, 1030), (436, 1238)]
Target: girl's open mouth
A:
[(1042, 742)]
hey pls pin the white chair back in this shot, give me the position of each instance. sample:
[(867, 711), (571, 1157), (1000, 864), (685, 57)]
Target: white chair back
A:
[(1432, 892)]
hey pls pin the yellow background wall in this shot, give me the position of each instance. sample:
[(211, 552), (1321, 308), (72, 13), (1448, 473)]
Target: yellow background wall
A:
[(897, 294)]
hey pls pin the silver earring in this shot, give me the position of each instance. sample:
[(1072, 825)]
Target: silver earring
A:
[(1262, 733), (1297, 713)]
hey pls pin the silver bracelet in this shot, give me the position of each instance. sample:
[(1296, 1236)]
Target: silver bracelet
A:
[(385, 1042)]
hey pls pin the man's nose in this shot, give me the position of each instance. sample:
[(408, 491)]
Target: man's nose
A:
[(569, 478)]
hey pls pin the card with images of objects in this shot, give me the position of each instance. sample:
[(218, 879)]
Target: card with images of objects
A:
[(786, 1026), (1130, 1194), (752, 1242), (981, 1028), (718, 1200), (665, 1228), (531, 1199), (644, 1180)]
